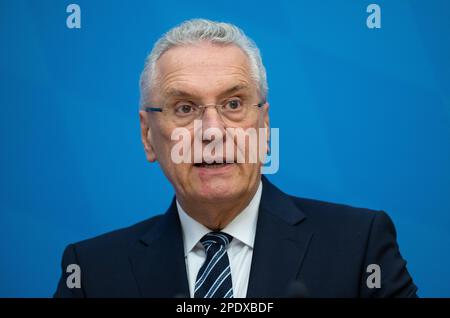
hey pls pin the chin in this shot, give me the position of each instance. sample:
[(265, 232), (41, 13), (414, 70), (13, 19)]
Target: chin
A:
[(217, 190)]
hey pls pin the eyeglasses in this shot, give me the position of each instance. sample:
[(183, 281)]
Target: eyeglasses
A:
[(232, 111)]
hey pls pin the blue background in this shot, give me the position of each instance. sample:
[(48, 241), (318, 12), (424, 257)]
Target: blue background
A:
[(364, 118)]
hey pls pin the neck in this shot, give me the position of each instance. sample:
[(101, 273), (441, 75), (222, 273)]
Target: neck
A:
[(218, 214)]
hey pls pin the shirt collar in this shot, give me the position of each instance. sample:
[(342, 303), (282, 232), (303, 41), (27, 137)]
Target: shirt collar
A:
[(242, 228)]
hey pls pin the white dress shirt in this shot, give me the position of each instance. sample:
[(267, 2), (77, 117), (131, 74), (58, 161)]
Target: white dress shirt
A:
[(240, 250)]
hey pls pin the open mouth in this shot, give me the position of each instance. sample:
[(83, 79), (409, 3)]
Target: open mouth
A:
[(212, 165)]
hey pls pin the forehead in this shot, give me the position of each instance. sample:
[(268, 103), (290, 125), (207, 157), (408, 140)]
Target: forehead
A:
[(203, 68)]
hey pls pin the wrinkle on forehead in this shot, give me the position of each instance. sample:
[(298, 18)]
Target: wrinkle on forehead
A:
[(203, 69)]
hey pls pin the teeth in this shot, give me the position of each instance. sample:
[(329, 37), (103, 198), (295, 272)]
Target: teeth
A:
[(210, 165), (215, 165)]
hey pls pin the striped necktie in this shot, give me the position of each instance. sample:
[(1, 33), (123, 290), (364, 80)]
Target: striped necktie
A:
[(214, 277)]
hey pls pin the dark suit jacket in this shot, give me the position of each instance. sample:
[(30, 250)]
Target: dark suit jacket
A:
[(325, 246)]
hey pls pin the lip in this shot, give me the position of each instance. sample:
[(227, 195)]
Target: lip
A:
[(204, 171)]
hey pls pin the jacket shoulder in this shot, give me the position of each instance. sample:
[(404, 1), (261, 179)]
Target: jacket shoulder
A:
[(336, 213), (118, 239)]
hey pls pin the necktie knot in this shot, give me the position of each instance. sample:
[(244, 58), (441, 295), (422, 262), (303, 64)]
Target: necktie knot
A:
[(216, 238)]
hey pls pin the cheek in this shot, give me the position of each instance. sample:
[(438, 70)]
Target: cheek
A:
[(162, 143), (251, 147), (165, 145)]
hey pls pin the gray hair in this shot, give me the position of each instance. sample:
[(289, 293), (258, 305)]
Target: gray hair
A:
[(197, 30)]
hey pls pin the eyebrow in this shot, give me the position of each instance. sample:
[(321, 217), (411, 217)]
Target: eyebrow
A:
[(173, 92)]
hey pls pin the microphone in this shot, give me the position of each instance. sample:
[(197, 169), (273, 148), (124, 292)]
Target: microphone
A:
[(297, 289)]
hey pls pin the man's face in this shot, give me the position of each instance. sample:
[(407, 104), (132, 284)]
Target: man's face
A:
[(203, 74)]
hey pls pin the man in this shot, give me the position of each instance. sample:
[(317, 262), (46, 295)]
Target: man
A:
[(229, 232)]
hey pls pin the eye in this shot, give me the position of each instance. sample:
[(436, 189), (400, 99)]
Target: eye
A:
[(233, 104), (185, 109)]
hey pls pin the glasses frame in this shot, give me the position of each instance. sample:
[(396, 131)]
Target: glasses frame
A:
[(202, 108)]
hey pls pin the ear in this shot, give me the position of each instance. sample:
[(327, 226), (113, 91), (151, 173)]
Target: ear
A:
[(146, 136), (267, 124)]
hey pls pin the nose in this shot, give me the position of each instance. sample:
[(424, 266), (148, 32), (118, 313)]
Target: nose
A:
[(213, 130), (212, 119)]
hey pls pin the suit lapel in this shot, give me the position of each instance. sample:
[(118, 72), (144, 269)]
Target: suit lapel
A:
[(158, 261), (281, 243)]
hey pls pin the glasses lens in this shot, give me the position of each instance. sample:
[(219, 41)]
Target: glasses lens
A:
[(184, 115)]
